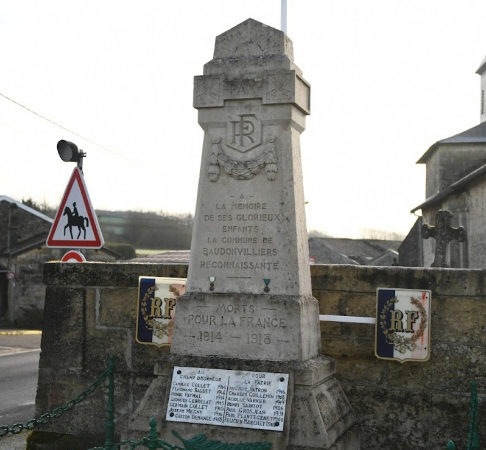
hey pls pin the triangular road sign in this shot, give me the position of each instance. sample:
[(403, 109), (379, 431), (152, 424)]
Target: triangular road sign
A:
[(76, 224)]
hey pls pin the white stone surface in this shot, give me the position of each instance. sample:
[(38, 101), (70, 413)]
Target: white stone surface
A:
[(261, 327), (248, 230), (250, 234)]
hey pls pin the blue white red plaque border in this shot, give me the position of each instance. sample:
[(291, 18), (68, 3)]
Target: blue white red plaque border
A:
[(403, 324), (150, 329)]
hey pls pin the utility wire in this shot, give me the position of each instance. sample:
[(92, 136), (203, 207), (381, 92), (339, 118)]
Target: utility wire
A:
[(63, 127)]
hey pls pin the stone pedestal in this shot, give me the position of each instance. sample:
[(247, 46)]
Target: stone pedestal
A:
[(318, 414), (248, 304), (247, 326)]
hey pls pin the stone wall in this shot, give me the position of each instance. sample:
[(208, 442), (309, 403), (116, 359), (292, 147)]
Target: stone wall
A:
[(449, 163), (411, 405), (27, 291), (90, 314), (476, 232), (411, 250)]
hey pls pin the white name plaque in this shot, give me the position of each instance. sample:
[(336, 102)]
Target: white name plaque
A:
[(228, 398)]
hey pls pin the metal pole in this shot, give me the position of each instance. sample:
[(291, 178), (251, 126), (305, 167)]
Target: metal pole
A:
[(153, 435), (347, 319), (80, 162), (283, 15)]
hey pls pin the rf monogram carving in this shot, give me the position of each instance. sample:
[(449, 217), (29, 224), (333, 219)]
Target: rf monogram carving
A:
[(244, 133)]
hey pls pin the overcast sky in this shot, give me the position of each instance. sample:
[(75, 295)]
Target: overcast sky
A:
[(389, 78)]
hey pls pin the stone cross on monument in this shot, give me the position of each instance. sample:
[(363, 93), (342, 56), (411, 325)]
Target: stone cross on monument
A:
[(248, 326), (443, 233)]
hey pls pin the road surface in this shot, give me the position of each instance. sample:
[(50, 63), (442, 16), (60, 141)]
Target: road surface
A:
[(19, 363)]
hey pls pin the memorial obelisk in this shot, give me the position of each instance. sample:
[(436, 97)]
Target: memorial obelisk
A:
[(248, 304), (248, 288)]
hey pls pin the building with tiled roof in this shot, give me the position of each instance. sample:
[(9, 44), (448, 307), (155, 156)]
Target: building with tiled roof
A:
[(455, 181)]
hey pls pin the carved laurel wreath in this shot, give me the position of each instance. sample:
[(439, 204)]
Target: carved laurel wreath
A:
[(159, 329), (242, 170), (402, 343)]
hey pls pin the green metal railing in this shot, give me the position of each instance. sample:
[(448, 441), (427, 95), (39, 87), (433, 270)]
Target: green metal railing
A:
[(152, 441), (45, 418), (199, 442), (472, 435)]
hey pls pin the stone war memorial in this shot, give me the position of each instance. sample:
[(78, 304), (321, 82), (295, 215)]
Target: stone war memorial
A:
[(248, 326), (249, 361)]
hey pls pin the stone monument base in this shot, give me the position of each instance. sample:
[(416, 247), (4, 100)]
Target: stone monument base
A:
[(318, 414)]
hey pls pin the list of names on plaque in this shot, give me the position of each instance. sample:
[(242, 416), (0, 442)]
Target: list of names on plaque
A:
[(227, 397)]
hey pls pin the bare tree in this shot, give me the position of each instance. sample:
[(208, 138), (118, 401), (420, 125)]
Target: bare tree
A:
[(317, 233)]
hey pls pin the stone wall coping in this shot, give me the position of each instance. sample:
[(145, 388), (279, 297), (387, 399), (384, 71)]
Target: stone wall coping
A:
[(330, 277), (366, 279), (100, 274)]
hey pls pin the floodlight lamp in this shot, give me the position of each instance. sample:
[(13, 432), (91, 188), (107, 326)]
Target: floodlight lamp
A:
[(69, 152)]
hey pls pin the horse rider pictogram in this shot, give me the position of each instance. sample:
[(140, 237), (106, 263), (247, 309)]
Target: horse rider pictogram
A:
[(75, 220), (75, 210)]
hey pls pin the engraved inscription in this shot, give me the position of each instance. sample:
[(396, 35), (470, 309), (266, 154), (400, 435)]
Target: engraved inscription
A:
[(228, 398), (237, 241), (249, 323), (243, 87), (272, 87)]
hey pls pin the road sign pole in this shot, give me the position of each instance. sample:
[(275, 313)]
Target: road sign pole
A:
[(80, 162)]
